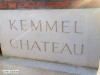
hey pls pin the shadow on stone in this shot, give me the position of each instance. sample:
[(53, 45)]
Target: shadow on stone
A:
[(0, 50)]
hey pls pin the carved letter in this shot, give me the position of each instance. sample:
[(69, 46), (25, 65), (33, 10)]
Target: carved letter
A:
[(51, 28), (68, 49), (55, 47), (12, 25), (22, 25), (78, 52), (63, 26), (36, 27), (23, 44), (45, 46), (13, 44), (37, 46), (76, 30)]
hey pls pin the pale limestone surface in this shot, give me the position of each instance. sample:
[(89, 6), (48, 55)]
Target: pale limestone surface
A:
[(32, 67), (70, 36)]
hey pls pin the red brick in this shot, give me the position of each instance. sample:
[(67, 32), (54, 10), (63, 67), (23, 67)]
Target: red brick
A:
[(24, 4), (41, 4), (12, 5), (3, 6), (31, 4), (75, 3), (58, 4)]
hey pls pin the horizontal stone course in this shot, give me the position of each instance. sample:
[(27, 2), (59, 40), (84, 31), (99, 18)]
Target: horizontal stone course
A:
[(30, 67)]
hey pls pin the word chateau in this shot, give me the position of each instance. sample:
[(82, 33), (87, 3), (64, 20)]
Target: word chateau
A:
[(46, 26), (41, 46)]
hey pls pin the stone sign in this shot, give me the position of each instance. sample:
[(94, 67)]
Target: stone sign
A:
[(69, 36)]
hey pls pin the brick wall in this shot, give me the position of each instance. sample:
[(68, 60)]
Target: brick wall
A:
[(4, 4)]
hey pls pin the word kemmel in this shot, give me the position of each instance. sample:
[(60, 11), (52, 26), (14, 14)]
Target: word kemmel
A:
[(48, 4), (45, 26)]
